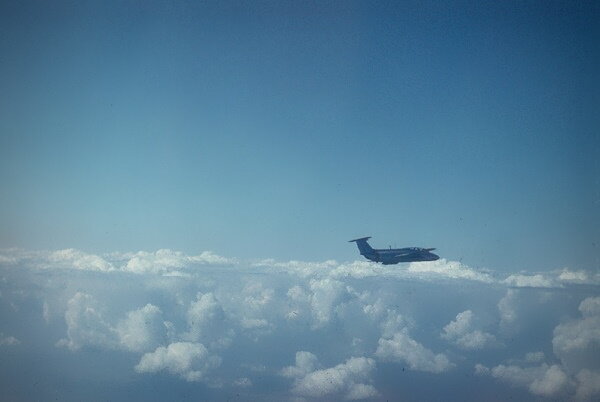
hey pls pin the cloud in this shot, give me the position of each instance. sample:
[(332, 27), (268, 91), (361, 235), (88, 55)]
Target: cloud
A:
[(534, 281), (319, 300), (86, 325), (534, 357), (325, 294), (429, 270), (480, 369), (204, 309), (588, 384), (71, 258), (392, 324), (165, 260), (361, 391), (301, 268), (577, 342), (553, 381), (448, 269), (60, 259), (461, 333), (171, 262), (402, 348), (349, 379), (590, 307), (143, 329), (256, 297), (250, 323), (306, 362), (188, 360), (543, 380), (235, 326), (8, 340), (207, 322), (243, 382), (507, 307), (579, 277), (8, 257)]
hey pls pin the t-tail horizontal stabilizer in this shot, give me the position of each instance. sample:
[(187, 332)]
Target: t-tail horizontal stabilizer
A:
[(362, 238)]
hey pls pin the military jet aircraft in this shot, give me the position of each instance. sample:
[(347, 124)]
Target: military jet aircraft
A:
[(394, 255)]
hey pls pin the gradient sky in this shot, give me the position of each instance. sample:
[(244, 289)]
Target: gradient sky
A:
[(283, 129)]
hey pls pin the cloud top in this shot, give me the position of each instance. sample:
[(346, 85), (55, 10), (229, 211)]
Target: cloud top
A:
[(188, 360), (348, 380), (185, 318)]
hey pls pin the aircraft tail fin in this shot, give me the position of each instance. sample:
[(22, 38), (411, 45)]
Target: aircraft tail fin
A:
[(363, 246)]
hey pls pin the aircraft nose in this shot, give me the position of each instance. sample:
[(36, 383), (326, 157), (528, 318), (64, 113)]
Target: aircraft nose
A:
[(434, 257)]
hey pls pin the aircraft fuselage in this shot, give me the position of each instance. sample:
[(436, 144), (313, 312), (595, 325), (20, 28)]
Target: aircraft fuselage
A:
[(394, 255)]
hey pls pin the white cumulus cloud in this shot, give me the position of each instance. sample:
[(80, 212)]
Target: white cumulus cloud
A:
[(579, 277), (165, 260), (588, 384), (534, 281), (349, 380), (143, 329), (180, 315), (86, 325), (461, 332), (543, 380), (577, 342), (507, 307), (402, 348), (448, 269), (189, 360), (207, 322), (325, 294)]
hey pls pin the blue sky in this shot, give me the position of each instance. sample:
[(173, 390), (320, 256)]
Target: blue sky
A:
[(282, 129)]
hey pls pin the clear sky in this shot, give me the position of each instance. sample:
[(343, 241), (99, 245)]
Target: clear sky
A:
[(283, 129)]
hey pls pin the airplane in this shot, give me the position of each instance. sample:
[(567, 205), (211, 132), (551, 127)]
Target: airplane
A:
[(394, 255)]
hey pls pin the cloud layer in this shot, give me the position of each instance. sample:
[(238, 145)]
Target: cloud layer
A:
[(301, 330)]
